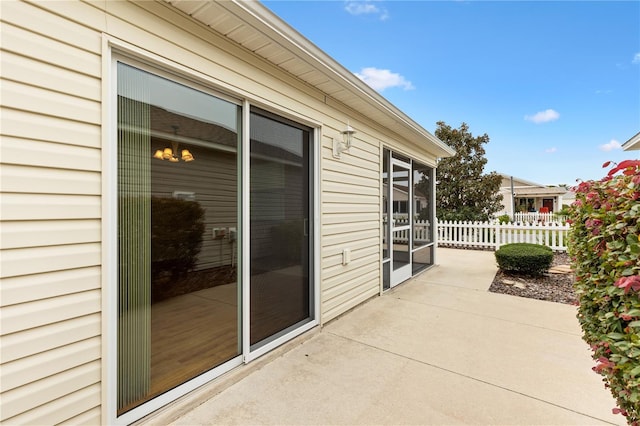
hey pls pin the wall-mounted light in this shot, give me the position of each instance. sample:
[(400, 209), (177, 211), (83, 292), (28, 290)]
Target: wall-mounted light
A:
[(171, 153), (340, 146)]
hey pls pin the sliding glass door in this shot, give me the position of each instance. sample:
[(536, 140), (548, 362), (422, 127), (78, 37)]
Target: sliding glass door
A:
[(178, 292), (183, 314), (281, 291)]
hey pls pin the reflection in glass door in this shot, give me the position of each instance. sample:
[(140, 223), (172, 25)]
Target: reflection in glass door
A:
[(400, 221), (280, 210), (177, 216)]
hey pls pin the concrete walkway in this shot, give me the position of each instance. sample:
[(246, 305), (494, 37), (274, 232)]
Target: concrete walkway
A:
[(439, 349)]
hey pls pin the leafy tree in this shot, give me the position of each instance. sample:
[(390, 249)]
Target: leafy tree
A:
[(464, 192)]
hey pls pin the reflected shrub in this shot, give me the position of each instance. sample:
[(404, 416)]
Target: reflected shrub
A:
[(177, 227)]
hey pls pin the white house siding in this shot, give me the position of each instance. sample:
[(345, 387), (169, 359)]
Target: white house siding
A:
[(350, 219), (51, 180), (50, 192)]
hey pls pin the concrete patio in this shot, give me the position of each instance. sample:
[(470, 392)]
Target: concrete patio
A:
[(439, 349)]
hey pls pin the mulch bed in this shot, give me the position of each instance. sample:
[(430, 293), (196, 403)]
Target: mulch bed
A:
[(550, 287)]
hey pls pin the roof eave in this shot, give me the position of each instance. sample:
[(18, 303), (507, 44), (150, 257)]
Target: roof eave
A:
[(632, 144), (272, 27)]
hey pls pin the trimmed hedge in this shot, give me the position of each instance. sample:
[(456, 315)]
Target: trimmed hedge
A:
[(524, 258), (605, 254)]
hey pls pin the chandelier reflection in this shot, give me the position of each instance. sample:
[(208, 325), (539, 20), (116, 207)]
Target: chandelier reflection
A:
[(171, 153)]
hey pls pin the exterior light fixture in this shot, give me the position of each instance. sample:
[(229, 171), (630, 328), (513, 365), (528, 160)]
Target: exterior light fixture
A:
[(340, 146), (171, 153)]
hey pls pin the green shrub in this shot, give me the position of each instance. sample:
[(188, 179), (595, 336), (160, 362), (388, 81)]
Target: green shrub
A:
[(605, 254), (525, 258), (504, 218)]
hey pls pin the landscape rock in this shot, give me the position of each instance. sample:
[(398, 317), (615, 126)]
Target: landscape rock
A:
[(553, 287)]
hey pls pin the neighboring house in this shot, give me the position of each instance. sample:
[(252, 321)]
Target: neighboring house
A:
[(529, 196), (176, 200), (632, 144), (401, 200)]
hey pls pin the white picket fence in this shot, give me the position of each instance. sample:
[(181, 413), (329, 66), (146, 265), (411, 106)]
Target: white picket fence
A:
[(492, 235), (421, 232), (531, 217)]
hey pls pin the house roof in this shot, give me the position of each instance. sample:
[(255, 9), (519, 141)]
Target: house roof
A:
[(518, 182), (633, 143), (523, 188), (253, 26), (551, 191)]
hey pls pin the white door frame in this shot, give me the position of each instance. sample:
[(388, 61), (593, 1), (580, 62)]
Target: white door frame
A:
[(403, 273)]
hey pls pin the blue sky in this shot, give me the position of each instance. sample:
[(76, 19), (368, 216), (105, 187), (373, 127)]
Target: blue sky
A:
[(555, 84)]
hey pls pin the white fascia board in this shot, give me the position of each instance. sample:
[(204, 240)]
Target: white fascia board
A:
[(632, 144), (305, 48)]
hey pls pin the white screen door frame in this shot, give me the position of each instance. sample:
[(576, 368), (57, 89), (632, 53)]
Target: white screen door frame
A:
[(400, 221)]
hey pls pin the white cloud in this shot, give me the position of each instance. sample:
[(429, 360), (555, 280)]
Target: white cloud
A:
[(543, 116), (380, 79), (613, 144), (604, 92), (636, 58), (366, 7), (551, 150)]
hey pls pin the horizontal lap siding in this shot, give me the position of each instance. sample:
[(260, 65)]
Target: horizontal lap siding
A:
[(350, 220), (50, 212)]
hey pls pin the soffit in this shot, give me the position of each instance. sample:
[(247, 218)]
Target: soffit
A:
[(256, 28), (633, 143)]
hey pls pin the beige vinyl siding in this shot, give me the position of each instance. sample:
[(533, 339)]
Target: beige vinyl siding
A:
[(50, 189), (53, 412), (51, 179), (350, 220), (35, 394), (47, 337)]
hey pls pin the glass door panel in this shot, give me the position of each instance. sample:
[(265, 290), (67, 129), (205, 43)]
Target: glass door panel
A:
[(401, 211), (423, 232), (280, 211), (422, 203), (178, 310), (400, 250)]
